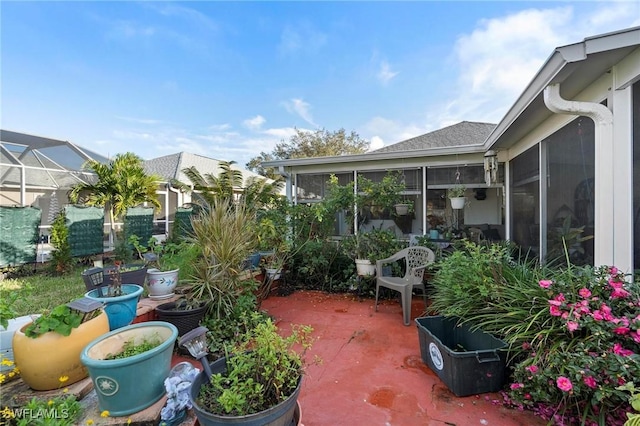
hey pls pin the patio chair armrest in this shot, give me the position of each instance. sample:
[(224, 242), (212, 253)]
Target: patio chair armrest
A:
[(389, 259)]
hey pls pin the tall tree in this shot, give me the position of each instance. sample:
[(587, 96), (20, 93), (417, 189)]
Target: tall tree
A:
[(305, 144), (119, 184)]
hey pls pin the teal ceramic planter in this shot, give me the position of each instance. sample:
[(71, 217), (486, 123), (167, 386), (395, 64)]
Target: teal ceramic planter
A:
[(126, 386), (121, 310)]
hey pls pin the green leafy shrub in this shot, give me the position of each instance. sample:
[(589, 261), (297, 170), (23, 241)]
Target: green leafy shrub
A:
[(262, 371), (587, 345), (62, 260)]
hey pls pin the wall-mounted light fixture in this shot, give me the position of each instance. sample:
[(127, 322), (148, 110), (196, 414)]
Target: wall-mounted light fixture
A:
[(490, 167)]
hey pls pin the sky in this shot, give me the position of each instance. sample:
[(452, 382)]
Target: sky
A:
[(229, 80)]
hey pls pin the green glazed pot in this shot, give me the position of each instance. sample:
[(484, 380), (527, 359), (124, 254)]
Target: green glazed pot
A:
[(126, 386)]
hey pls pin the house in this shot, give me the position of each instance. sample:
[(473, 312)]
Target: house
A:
[(429, 164), (39, 171), (563, 161), (170, 169)]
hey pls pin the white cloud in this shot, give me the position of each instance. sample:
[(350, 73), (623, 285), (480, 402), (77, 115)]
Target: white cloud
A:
[(501, 55), (128, 30), (284, 132), (376, 143), (385, 75), (382, 131), (300, 108), (254, 123), (301, 37), (219, 127)]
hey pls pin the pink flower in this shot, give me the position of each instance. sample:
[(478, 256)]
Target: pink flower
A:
[(533, 369), (555, 302), (621, 330), (515, 386), (554, 311), (613, 270), (584, 292), (619, 293), (565, 315), (545, 283), (590, 382), (597, 315), (564, 384), (619, 350), (635, 335), (526, 346), (572, 326), (560, 297)]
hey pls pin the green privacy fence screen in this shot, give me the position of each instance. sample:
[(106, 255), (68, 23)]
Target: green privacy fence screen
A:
[(139, 221), (86, 229), (182, 223), (18, 234)]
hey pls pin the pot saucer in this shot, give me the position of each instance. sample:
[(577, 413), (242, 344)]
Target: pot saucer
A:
[(163, 297)]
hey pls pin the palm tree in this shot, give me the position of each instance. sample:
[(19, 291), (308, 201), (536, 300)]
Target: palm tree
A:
[(119, 184), (228, 185)]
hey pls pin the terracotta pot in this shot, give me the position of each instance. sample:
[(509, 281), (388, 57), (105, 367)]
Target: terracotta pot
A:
[(43, 360)]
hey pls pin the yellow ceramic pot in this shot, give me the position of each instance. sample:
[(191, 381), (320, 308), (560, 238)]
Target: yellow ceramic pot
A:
[(43, 360)]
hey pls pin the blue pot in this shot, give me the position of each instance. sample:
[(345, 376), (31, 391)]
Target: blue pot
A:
[(121, 310), (126, 386)]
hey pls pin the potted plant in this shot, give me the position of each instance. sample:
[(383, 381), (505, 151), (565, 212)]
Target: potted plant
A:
[(456, 196), (221, 234), (49, 347), (268, 361), (162, 277), (367, 247), (120, 300), (128, 366)]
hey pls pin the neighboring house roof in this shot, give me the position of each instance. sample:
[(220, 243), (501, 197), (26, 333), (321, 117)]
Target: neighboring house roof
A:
[(463, 133), (574, 67), (170, 167)]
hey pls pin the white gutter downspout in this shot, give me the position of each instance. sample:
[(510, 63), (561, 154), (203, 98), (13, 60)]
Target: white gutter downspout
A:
[(604, 250), (288, 184), (178, 204)]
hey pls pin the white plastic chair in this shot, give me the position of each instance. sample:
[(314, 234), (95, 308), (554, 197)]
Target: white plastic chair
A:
[(416, 260)]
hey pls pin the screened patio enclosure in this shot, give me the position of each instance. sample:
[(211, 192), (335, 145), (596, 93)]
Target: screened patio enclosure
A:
[(38, 171)]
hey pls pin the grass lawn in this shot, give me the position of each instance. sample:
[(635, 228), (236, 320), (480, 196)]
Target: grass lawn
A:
[(40, 292)]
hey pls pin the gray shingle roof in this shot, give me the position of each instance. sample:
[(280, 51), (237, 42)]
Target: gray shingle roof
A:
[(463, 133), (170, 166)]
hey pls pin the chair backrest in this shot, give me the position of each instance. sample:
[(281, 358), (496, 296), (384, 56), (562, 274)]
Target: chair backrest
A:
[(417, 256)]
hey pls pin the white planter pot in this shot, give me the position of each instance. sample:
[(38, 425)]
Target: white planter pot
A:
[(273, 274), (364, 267), (6, 338), (160, 284), (402, 209), (457, 203)]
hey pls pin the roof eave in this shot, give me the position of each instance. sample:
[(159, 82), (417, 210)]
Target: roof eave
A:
[(551, 72), (377, 156)]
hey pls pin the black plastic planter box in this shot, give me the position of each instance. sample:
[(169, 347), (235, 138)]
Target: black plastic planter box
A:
[(468, 362)]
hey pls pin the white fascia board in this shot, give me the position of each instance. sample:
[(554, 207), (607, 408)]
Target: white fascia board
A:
[(560, 57), (628, 71), (378, 156)]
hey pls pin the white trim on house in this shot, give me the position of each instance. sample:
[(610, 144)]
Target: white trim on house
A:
[(600, 68)]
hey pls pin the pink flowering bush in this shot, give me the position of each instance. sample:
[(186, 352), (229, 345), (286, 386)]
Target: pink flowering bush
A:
[(587, 345)]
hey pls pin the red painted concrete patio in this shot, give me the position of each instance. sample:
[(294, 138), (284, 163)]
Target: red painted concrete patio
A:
[(372, 372)]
